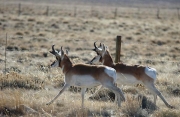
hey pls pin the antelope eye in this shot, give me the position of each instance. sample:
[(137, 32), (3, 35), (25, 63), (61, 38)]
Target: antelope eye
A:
[(57, 58)]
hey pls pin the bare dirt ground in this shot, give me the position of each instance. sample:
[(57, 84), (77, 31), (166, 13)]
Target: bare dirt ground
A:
[(29, 83)]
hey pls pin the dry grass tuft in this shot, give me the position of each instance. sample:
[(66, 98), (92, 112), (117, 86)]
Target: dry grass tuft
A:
[(15, 80), (104, 95), (167, 113), (9, 103), (131, 107), (79, 113)]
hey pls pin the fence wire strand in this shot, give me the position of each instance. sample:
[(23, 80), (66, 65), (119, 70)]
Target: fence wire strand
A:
[(97, 11)]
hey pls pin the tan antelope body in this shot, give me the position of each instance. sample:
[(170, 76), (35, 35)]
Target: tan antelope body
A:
[(129, 74), (85, 76)]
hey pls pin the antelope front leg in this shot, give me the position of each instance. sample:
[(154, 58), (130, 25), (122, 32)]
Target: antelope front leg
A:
[(62, 90), (83, 90)]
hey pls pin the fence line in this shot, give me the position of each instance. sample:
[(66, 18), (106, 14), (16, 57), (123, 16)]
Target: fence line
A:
[(9, 37), (124, 43), (150, 44), (139, 60), (98, 6), (155, 60), (73, 9)]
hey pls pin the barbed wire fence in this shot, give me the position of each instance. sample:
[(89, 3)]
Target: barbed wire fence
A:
[(88, 11)]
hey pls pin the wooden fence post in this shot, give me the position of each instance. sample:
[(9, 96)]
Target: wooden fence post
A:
[(92, 11), (75, 11), (19, 10), (115, 13), (178, 13), (47, 11), (158, 13), (5, 53), (118, 49), (138, 12)]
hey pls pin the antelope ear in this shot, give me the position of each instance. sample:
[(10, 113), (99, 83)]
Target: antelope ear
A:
[(67, 52), (107, 48), (104, 48), (62, 52), (100, 45)]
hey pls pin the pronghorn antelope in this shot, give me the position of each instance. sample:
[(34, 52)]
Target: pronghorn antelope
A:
[(129, 74), (85, 76)]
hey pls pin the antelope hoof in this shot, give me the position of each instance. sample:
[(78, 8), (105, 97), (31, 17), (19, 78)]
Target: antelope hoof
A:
[(49, 103), (171, 107), (123, 99)]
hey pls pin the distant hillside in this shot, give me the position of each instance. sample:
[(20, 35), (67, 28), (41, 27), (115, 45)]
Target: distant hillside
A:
[(145, 3), (129, 3)]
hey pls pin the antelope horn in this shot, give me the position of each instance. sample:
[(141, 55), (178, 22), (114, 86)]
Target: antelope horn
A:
[(53, 50), (95, 45)]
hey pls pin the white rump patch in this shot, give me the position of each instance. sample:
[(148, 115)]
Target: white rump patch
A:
[(151, 72), (111, 72)]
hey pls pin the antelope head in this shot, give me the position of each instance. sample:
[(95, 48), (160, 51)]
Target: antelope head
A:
[(98, 50), (59, 56), (101, 51)]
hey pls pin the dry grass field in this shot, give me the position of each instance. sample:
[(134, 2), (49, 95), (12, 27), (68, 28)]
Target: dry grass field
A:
[(28, 83)]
